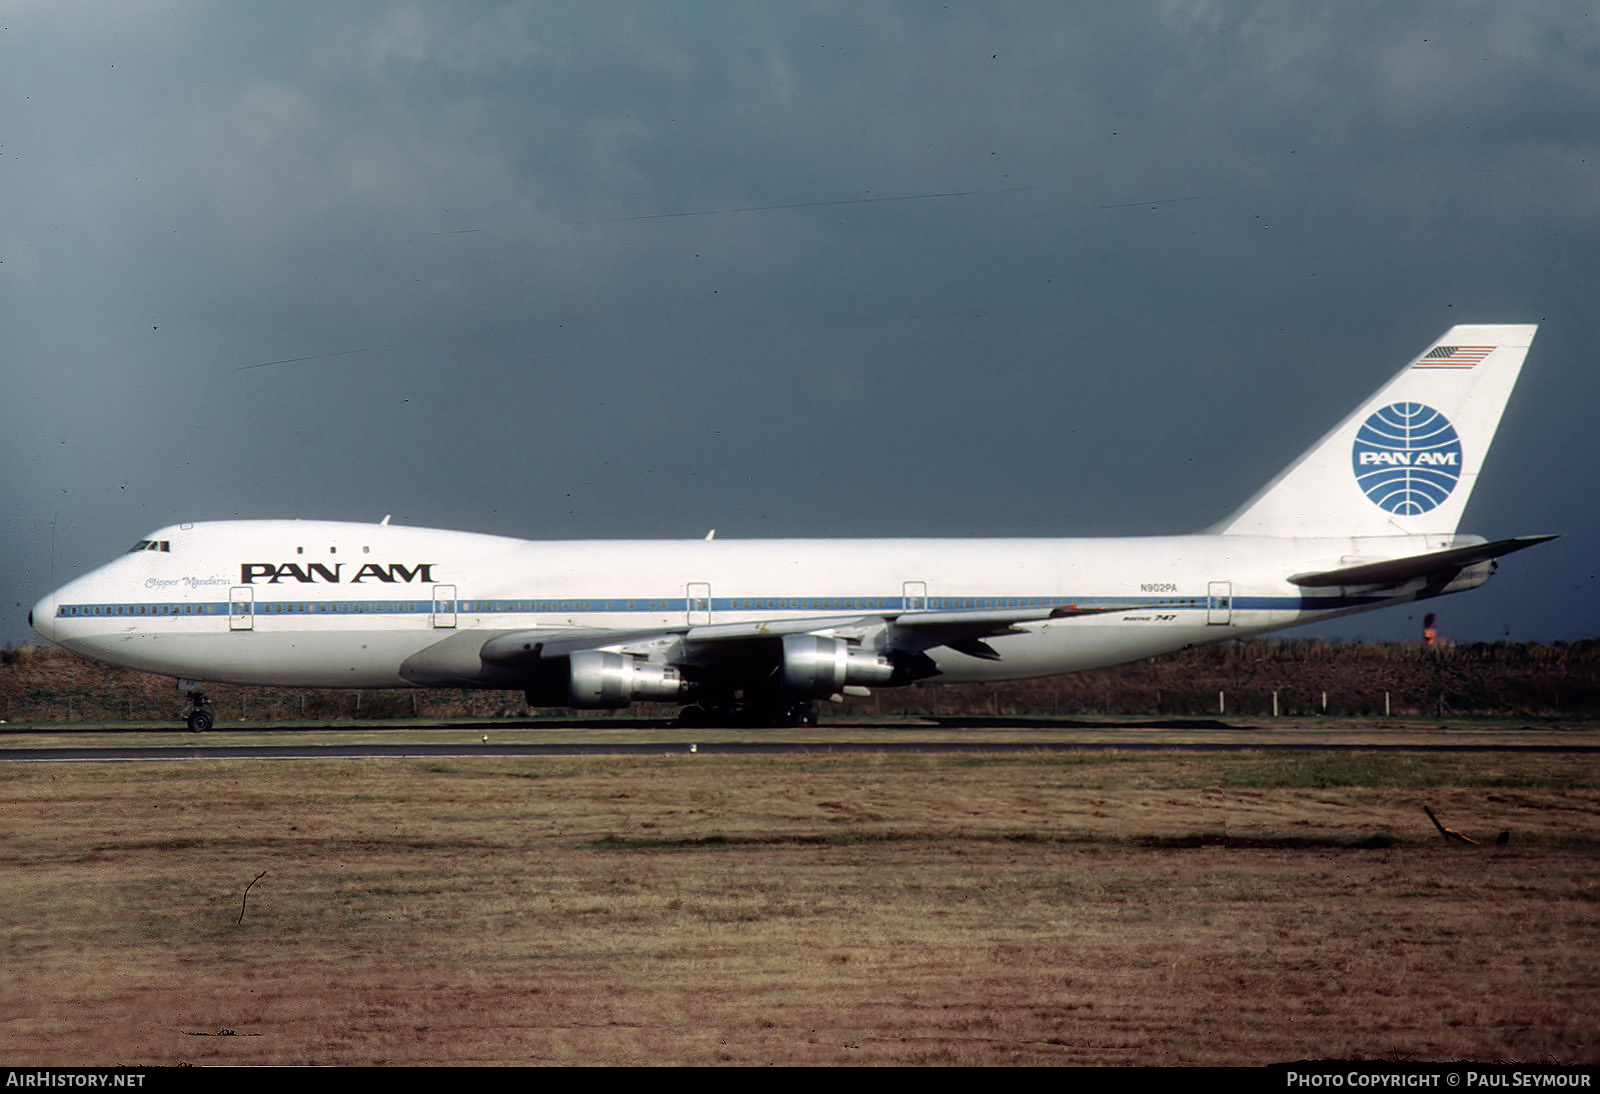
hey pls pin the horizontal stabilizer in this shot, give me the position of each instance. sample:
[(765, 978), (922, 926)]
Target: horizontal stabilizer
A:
[(1397, 571)]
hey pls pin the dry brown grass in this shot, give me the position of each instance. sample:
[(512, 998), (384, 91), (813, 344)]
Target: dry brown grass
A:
[(817, 910)]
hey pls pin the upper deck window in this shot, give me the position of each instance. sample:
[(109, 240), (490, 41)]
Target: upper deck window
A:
[(151, 545)]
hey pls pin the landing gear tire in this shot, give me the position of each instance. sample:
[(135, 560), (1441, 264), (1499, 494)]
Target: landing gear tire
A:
[(735, 715), (802, 715), (714, 710), (790, 715), (200, 720)]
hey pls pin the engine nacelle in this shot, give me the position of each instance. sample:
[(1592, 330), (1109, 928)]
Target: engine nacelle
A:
[(814, 667), (601, 680)]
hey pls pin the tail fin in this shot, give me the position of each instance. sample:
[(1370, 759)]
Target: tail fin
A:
[(1405, 462)]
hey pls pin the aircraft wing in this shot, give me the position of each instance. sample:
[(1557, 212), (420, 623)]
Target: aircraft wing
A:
[(1397, 571), (977, 622), (913, 631), (520, 648), (964, 629)]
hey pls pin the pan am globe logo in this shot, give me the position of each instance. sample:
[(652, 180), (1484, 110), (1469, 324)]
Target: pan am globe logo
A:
[(1407, 458)]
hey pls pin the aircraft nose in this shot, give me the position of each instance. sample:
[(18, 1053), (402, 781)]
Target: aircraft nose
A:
[(43, 617)]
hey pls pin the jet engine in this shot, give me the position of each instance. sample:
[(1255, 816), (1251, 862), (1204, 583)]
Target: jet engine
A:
[(816, 667), (608, 680)]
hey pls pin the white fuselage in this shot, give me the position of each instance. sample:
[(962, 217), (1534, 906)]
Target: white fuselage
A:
[(322, 604)]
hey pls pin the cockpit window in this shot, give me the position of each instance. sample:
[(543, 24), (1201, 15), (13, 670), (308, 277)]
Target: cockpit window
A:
[(151, 545)]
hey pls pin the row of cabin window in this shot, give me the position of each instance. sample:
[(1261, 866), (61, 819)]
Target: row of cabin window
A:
[(139, 609), (698, 603)]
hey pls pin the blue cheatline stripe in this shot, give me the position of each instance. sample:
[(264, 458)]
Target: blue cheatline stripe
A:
[(679, 604)]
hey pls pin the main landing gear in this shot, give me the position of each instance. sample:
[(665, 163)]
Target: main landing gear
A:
[(199, 720), (799, 714), (747, 715)]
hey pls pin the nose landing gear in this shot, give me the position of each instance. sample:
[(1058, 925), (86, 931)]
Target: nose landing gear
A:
[(199, 720)]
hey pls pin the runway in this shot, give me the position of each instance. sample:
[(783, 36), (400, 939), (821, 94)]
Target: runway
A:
[(220, 750)]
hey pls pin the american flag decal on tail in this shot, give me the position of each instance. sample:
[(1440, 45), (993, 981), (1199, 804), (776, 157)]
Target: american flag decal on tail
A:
[(1453, 356)]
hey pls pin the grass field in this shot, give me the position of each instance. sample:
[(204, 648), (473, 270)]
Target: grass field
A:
[(1106, 908)]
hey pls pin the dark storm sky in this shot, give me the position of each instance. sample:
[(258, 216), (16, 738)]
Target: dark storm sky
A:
[(562, 270)]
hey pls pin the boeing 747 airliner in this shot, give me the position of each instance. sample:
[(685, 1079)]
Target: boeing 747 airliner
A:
[(760, 630)]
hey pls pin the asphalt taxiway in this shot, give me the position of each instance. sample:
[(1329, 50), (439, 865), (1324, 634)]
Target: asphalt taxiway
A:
[(268, 743)]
